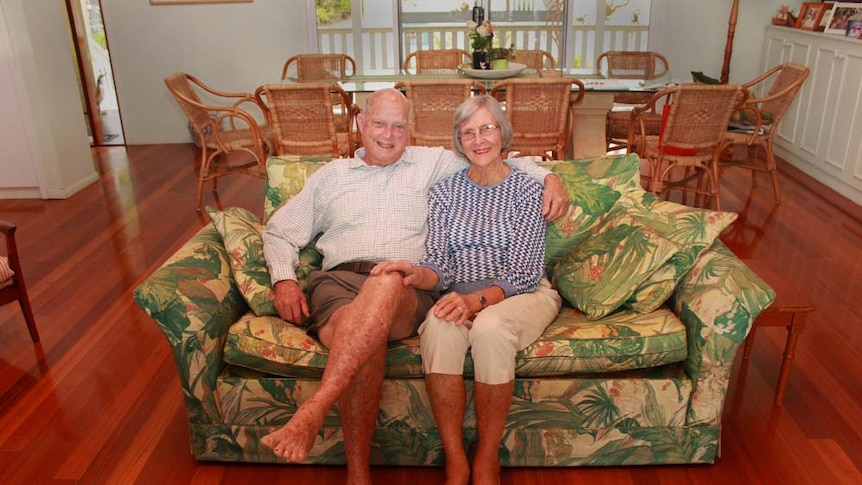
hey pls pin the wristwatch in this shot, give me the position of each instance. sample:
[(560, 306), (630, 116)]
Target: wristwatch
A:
[(483, 301)]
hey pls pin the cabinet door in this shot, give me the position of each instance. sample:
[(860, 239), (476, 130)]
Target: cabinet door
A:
[(784, 45), (833, 129)]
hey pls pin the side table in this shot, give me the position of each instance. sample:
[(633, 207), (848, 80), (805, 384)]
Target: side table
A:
[(789, 309)]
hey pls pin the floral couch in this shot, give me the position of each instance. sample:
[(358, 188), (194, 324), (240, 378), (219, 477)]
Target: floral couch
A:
[(635, 369)]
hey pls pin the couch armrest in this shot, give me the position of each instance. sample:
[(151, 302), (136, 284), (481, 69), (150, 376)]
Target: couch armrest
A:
[(194, 299), (717, 301)]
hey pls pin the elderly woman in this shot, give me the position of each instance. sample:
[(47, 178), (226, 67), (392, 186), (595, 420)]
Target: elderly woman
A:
[(485, 247)]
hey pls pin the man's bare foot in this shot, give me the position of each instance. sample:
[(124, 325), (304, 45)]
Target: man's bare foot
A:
[(294, 440)]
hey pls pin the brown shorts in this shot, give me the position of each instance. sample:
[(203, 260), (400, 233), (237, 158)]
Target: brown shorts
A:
[(330, 290)]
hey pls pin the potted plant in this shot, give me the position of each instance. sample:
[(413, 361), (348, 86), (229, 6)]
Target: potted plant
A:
[(481, 36)]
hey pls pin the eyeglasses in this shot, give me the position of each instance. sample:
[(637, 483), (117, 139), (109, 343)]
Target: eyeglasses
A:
[(471, 134)]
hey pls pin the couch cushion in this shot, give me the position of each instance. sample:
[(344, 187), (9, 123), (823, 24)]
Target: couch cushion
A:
[(593, 187), (572, 344), (693, 229), (241, 232), (285, 177), (601, 273)]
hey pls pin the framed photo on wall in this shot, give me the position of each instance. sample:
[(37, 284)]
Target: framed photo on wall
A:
[(810, 15), (843, 14)]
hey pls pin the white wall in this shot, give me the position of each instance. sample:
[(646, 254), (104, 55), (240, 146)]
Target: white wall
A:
[(229, 46), (694, 34), (47, 99), (16, 162)]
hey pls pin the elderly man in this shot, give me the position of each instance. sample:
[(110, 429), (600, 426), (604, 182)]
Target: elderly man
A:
[(365, 209)]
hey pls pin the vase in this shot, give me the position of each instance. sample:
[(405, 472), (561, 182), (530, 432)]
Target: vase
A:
[(480, 60), (498, 64)]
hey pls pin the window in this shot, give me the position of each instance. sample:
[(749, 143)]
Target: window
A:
[(378, 34)]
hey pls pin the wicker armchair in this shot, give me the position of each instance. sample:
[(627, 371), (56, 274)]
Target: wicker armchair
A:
[(693, 136), (540, 110), (12, 287), (319, 67), (764, 114), (432, 107), (305, 121), (230, 137), (436, 61), (644, 65), (535, 60)]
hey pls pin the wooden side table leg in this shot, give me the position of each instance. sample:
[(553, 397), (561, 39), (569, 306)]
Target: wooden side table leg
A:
[(797, 324)]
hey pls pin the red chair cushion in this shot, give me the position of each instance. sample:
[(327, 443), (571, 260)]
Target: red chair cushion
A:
[(672, 150)]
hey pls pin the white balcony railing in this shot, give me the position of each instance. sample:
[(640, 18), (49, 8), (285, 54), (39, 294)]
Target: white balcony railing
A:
[(379, 51)]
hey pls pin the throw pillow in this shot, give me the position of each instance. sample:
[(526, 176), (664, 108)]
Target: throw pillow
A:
[(599, 274), (241, 232), (593, 187), (694, 230)]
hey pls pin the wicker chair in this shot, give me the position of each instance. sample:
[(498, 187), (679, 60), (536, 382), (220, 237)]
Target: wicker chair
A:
[(305, 121), (436, 61), (230, 137), (693, 136), (535, 60), (12, 287), (540, 110), (644, 65), (319, 67), (765, 114), (432, 107)]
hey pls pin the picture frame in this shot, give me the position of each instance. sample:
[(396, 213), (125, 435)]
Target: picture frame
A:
[(810, 15), (827, 16), (840, 17), (193, 2)]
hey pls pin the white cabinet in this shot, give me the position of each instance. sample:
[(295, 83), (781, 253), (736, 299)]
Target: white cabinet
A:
[(821, 132)]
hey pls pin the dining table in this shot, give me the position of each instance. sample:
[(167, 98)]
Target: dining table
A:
[(588, 116)]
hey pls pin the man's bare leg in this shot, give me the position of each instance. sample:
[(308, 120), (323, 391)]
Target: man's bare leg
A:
[(358, 407), (448, 402), (492, 408), (353, 334)]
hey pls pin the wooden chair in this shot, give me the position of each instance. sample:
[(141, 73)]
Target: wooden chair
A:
[(12, 285), (436, 61), (231, 139), (319, 67), (540, 110), (305, 121), (536, 60), (432, 107), (693, 136), (645, 65), (763, 115)]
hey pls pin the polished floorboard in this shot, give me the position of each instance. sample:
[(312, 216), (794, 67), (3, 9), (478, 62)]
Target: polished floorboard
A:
[(98, 402)]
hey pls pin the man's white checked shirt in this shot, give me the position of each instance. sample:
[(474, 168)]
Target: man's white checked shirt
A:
[(362, 212)]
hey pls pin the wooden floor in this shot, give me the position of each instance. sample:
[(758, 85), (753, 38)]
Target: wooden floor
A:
[(98, 402)]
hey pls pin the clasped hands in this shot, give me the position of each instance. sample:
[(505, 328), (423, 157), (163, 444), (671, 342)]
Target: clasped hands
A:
[(452, 307)]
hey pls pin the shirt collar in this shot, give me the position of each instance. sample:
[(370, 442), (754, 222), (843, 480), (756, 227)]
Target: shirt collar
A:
[(358, 160)]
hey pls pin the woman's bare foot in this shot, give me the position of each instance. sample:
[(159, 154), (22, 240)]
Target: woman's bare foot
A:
[(294, 440), (457, 472), (486, 470)]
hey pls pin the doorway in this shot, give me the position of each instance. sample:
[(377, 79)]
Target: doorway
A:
[(98, 95)]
